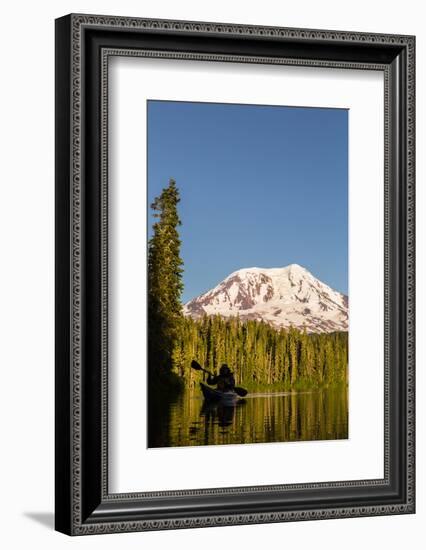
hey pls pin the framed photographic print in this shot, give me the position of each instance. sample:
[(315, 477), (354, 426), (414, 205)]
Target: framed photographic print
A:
[(234, 274)]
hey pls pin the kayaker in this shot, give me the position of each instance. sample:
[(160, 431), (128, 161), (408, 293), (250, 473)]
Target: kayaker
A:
[(225, 379)]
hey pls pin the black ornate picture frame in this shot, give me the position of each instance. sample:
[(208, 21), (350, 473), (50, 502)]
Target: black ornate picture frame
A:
[(84, 43)]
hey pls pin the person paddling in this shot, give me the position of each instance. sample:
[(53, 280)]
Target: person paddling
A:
[(241, 392), (225, 380)]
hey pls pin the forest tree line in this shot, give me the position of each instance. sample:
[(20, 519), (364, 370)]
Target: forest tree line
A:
[(259, 355)]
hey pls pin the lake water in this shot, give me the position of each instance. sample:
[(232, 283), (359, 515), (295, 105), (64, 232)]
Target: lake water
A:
[(259, 418)]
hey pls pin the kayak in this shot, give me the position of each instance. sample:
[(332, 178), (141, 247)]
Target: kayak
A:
[(225, 397)]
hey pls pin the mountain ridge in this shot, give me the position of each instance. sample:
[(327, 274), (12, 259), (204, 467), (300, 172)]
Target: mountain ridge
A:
[(282, 297)]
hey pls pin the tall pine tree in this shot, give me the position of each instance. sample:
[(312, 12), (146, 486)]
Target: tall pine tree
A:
[(164, 286)]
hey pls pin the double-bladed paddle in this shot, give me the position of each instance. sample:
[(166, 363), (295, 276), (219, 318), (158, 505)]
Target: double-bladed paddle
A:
[(196, 366)]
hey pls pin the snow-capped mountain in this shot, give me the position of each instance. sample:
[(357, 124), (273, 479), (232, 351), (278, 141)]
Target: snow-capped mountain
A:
[(282, 297)]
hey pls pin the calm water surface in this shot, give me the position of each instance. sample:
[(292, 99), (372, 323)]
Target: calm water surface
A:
[(259, 418)]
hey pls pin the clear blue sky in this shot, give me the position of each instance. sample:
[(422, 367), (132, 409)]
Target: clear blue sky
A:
[(261, 186)]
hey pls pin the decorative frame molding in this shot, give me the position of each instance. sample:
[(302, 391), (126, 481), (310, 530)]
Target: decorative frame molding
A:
[(84, 44)]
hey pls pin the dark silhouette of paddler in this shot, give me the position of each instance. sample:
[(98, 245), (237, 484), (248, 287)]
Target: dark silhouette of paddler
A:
[(225, 380)]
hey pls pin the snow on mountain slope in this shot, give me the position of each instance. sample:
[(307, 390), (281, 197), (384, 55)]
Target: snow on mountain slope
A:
[(282, 297)]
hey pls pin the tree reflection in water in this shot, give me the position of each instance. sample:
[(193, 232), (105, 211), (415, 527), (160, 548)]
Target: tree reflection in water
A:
[(259, 418)]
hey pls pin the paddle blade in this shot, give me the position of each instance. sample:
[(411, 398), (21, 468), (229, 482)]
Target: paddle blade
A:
[(240, 391), (195, 365)]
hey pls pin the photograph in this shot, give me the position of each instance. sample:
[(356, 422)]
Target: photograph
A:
[(234, 274), (248, 301)]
